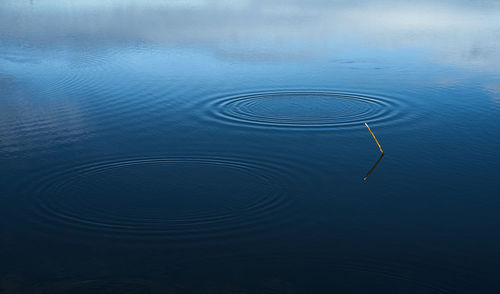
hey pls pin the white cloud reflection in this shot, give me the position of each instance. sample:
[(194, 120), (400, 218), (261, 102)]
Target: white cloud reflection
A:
[(464, 33)]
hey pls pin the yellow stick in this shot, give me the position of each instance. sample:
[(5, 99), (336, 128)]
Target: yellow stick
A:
[(379, 147)]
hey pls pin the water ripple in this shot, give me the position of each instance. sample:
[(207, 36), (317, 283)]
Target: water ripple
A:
[(188, 198), (304, 110)]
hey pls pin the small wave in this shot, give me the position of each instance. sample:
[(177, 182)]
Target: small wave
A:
[(303, 110), (173, 198)]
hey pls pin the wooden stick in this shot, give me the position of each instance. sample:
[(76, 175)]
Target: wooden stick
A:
[(379, 147)]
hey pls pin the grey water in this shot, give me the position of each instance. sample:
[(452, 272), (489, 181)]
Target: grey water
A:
[(199, 146)]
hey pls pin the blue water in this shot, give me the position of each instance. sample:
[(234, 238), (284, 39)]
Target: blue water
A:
[(220, 146)]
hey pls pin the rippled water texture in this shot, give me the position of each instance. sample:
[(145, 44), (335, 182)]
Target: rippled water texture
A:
[(199, 146), (209, 206), (304, 110)]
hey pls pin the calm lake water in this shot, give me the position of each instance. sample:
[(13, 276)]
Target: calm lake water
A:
[(197, 146)]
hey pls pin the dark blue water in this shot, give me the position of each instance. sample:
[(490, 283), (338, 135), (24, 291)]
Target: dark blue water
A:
[(220, 147)]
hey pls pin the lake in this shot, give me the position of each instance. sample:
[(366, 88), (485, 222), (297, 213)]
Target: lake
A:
[(199, 146)]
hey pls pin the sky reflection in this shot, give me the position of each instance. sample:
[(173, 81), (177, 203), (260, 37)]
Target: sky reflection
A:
[(461, 33)]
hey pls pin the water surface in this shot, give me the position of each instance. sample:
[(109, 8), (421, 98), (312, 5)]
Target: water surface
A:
[(220, 147)]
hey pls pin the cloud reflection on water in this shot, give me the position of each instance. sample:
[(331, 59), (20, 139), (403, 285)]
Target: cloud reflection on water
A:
[(460, 33)]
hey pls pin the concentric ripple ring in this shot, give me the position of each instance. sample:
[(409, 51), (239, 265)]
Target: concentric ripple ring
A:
[(190, 198), (303, 109)]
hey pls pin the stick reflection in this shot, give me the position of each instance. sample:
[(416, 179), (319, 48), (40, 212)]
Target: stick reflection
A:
[(373, 168)]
